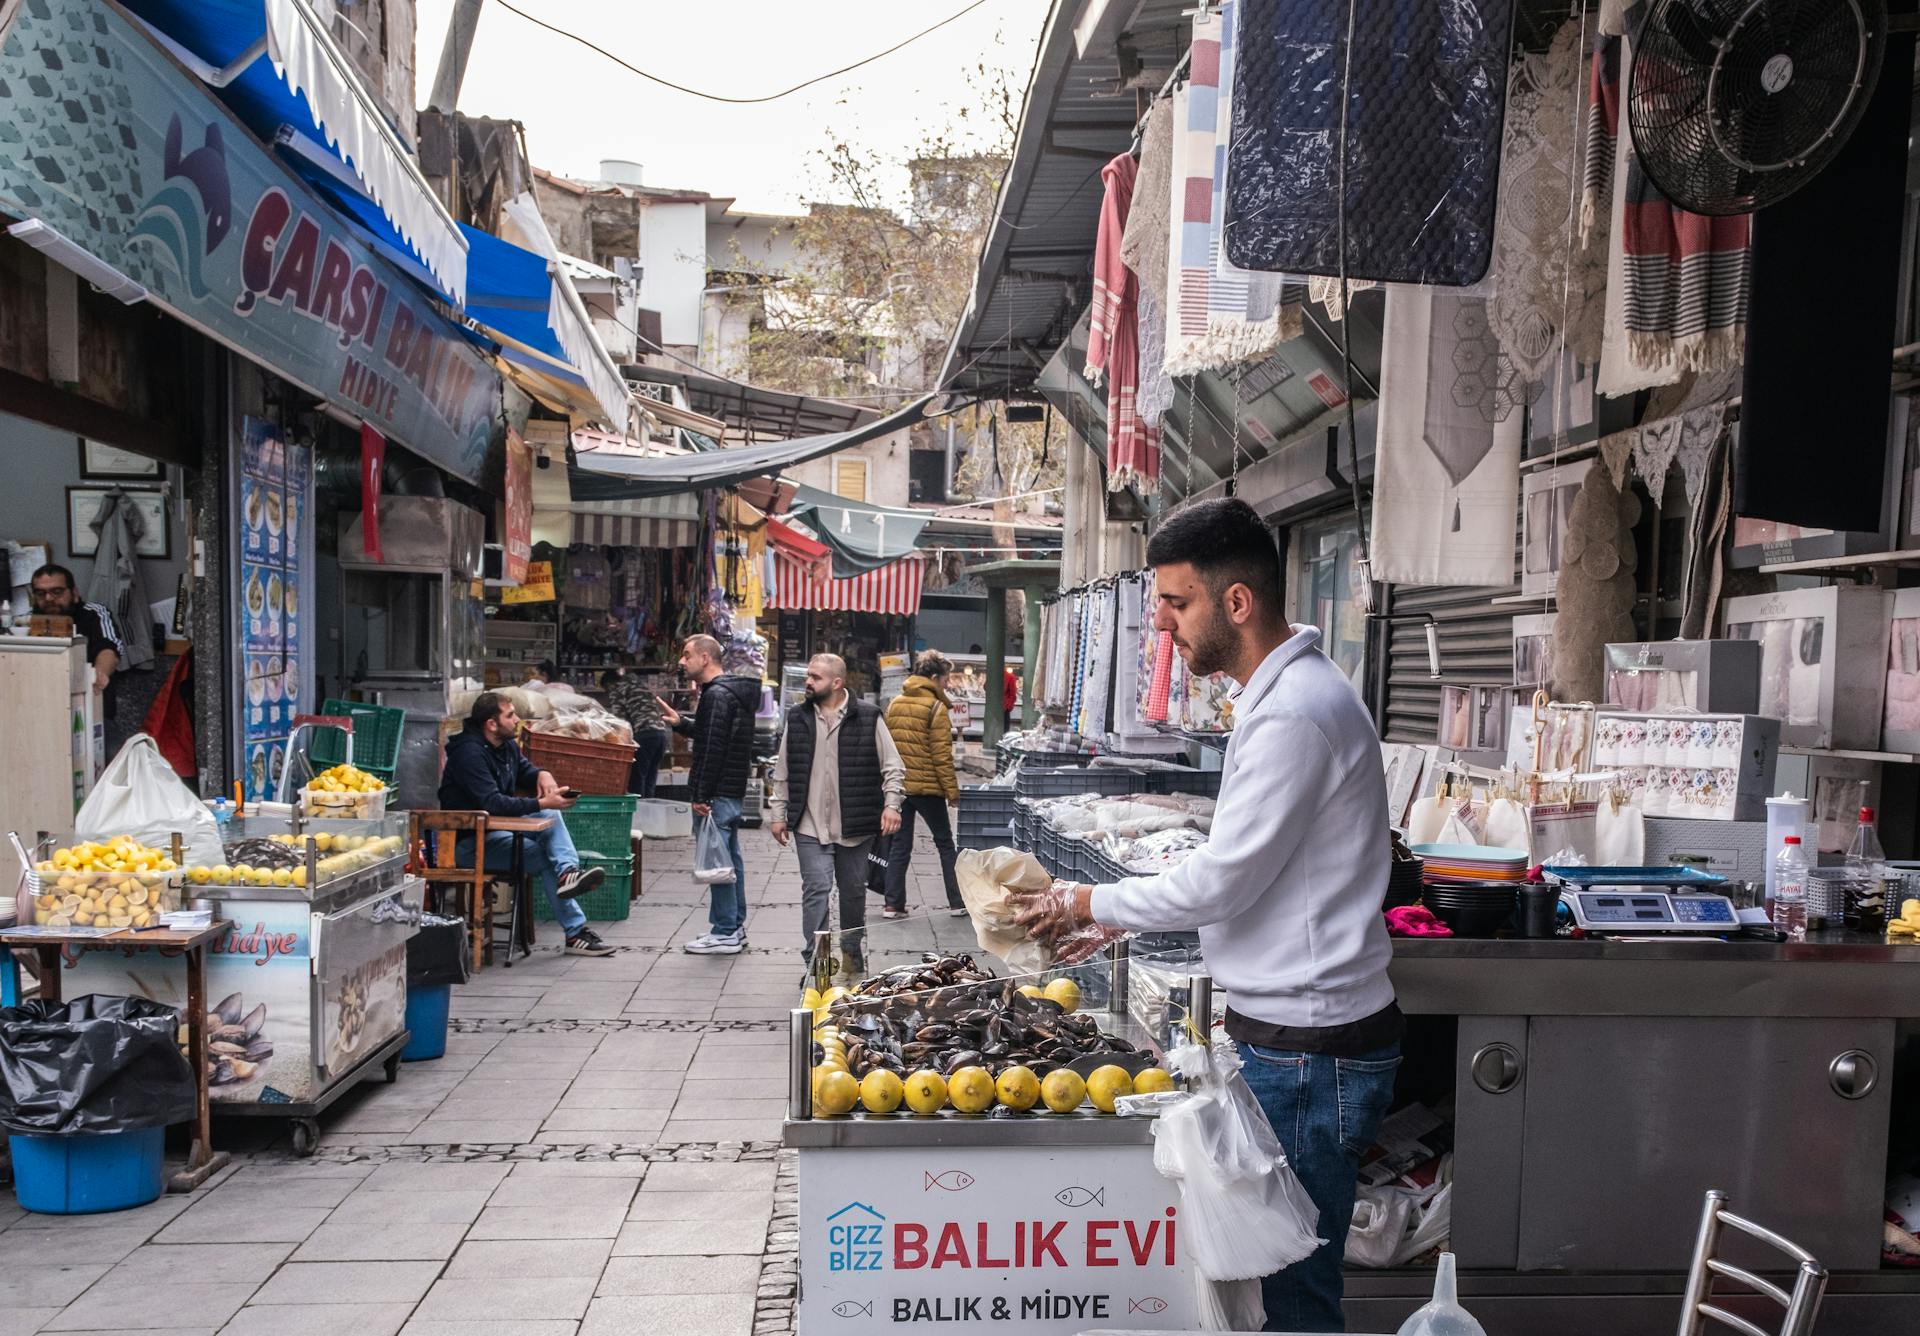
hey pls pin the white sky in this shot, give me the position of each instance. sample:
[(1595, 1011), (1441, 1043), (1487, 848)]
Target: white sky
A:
[(578, 107)]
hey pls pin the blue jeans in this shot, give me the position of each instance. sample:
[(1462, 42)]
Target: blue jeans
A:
[(727, 903), (1326, 1111), (545, 855)]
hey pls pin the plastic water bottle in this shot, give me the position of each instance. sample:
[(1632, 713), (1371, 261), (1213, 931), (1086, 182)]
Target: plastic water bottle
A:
[(1790, 890), (1443, 1316), (1865, 858), (222, 814)]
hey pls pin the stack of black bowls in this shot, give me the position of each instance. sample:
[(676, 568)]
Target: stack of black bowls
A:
[(1404, 875), (1472, 909)]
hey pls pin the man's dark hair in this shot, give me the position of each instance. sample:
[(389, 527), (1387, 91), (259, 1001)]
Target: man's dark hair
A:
[(1226, 543), (486, 708), (53, 568), (547, 670)]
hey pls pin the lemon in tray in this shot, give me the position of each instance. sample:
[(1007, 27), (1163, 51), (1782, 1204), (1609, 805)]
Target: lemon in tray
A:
[(116, 883)]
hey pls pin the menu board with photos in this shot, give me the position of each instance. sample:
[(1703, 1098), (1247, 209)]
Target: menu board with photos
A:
[(274, 497)]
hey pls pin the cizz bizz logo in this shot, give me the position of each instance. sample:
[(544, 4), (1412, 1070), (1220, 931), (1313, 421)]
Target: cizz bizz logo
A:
[(855, 1238)]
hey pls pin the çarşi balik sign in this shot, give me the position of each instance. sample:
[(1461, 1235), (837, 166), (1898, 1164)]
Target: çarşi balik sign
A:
[(1042, 1241), (106, 140)]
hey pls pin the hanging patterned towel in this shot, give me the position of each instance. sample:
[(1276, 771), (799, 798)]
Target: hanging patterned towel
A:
[(1677, 281), (1215, 318), (1548, 283), (1113, 337), (1143, 247), (1446, 469)]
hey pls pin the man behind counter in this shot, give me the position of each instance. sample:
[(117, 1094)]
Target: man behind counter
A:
[(55, 595), (1286, 893)]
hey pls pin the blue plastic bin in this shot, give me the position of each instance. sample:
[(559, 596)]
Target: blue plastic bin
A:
[(89, 1172), (426, 1022)]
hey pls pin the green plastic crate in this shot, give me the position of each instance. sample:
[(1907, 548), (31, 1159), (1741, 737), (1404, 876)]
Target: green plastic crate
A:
[(608, 901), (602, 825), (376, 738)]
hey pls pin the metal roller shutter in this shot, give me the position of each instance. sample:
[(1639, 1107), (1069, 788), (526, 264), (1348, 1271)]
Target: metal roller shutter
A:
[(1476, 645)]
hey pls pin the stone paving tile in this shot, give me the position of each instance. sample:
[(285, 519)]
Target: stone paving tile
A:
[(709, 1314), (540, 1222), (142, 1304), (47, 1286), (214, 1262), (680, 1275), (679, 1238), (356, 1241), (506, 1298), (681, 1131), (435, 1177), (565, 1192), (434, 1132), (15, 1321), (546, 1327), (661, 1095), (243, 1222), (363, 1282), (26, 1249), (139, 1220), (701, 1206), (634, 1169), (319, 1319), (635, 1124), (532, 1258), (459, 1206)]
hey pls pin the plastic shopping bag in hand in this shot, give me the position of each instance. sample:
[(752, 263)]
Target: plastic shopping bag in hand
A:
[(712, 861), (1244, 1211)]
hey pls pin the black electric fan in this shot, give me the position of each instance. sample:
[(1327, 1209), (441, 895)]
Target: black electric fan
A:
[(1736, 104)]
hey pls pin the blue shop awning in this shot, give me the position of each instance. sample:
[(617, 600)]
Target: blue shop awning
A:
[(521, 295), (276, 66)]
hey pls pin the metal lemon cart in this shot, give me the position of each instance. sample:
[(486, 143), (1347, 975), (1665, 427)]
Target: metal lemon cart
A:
[(306, 991), (1055, 1220)]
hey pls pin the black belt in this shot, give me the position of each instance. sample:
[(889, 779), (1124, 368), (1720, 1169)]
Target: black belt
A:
[(1369, 1034)]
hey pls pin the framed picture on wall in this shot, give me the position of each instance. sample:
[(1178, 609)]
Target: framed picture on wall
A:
[(83, 506), (99, 460)]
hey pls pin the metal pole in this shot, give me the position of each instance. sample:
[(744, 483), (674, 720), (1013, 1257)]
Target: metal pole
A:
[(799, 1065), (1200, 1004), (452, 70), (1117, 953), (1029, 654), (996, 721)]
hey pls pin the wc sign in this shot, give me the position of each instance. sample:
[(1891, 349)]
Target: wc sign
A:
[(1046, 1240)]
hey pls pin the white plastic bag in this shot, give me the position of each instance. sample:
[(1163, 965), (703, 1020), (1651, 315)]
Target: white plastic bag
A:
[(1244, 1210), (1394, 1223), (712, 861), (139, 794)]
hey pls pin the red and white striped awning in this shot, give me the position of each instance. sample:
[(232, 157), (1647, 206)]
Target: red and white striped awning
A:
[(893, 588)]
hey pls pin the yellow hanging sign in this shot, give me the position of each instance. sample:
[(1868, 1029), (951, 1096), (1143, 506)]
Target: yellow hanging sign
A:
[(536, 588)]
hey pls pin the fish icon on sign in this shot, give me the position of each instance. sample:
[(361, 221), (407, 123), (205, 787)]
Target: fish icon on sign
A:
[(1150, 1304), (953, 1180), (848, 1308), (1077, 1197)]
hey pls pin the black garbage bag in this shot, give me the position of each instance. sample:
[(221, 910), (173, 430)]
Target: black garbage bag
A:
[(437, 954), (94, 1064)]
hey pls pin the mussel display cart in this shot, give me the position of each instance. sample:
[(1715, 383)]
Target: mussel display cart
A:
[(306, 992), (986, 1217)]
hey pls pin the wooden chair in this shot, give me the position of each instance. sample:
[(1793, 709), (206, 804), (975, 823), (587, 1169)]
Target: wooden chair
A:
[(1802, 1305), (435, 835)]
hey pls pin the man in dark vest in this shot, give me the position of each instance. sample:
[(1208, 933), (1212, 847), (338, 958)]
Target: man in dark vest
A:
[(838, 784)]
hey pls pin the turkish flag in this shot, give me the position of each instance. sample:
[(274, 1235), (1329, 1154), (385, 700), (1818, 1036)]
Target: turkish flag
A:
[(373, 458)]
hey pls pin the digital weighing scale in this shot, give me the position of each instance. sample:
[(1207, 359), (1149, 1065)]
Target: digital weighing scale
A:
[(1645, 899)]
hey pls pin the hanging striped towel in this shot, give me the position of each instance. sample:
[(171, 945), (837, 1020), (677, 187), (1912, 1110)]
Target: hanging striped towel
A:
[(1113, 337), (1215, 318), (1161, 685)]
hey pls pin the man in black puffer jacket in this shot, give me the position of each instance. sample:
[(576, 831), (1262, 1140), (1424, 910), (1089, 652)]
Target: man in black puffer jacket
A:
[(722, 733)]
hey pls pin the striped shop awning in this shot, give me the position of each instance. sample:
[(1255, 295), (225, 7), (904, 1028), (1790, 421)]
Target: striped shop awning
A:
[(634, 530), (893, 588)]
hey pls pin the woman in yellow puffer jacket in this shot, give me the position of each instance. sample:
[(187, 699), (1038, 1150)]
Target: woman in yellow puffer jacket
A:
[(923, 733)]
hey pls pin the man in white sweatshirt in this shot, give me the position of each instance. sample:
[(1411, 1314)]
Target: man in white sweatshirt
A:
[(1286, 894)]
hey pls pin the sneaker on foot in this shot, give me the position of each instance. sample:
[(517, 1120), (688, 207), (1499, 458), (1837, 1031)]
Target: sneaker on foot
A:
[(713, 944), (587, 942), (893, 913), (574, 881), (958, 911)]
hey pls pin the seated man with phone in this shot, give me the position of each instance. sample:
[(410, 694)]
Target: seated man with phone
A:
[(486, 772)]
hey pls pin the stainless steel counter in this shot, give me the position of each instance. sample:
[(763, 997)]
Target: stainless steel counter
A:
[(1831, 974)]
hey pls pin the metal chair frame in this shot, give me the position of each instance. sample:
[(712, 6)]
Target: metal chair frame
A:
[(1802, 1305)]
